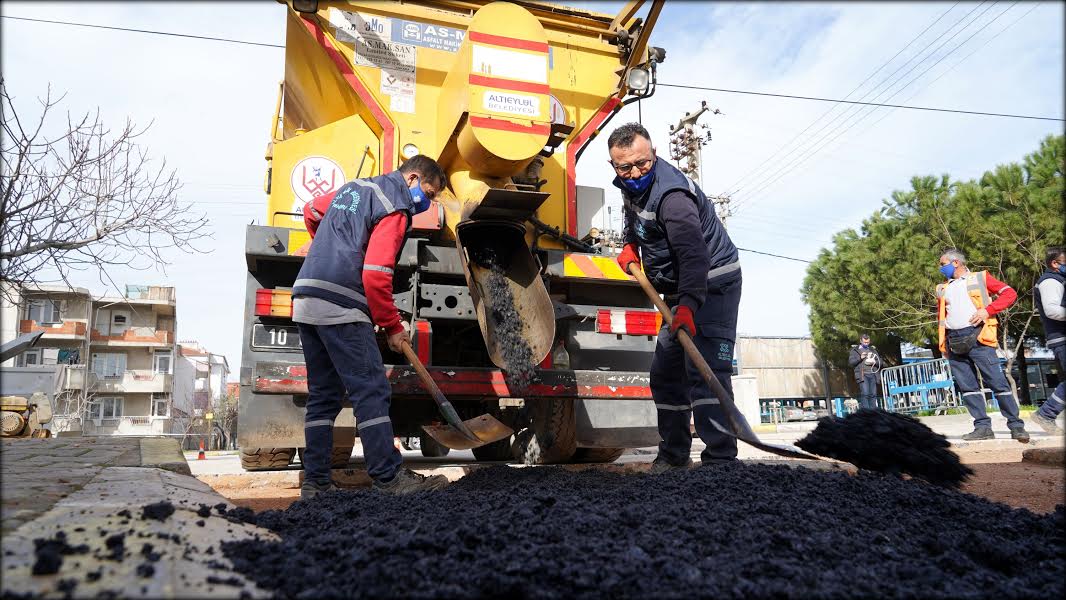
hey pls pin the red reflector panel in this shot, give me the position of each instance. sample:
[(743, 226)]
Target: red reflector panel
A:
[(273, 303), (628, 322)]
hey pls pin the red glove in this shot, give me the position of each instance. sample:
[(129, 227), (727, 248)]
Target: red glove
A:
[(629, 254), (683, 319)]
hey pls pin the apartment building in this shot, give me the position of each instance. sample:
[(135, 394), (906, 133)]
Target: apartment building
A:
[(112, 358), (200, 383)]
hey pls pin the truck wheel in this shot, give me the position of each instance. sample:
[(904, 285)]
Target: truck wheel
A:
[(494, 452), (265, 459), (430, 448), (551, 436), (597, 455)]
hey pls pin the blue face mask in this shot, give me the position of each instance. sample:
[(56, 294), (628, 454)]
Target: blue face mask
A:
[(639, 184), (948, 270), (421, 201), (1062, 269)]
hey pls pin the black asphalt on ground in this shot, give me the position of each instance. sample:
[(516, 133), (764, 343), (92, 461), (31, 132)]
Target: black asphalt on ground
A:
[(890, 443), (736, 530)]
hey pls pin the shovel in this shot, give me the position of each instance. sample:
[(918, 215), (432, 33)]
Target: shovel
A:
[(457, 434), (739, 425)]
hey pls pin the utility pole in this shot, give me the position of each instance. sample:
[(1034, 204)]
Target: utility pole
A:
[(687, 140)]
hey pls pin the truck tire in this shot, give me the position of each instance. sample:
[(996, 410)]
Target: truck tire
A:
[(494, 452), (266, 459), (430, 448), (338, 459), (597, 455), (551, 436)]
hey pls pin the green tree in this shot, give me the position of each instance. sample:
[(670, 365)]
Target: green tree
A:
[(881, 278)]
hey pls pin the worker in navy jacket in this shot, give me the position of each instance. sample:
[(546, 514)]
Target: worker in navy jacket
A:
[(672, 231), (343, 290)]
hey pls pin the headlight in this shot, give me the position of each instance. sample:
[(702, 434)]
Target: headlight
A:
[(305, 6), (637, 80)]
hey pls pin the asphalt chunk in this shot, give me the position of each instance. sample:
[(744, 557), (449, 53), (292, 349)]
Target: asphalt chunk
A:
[(49, 553), (889, 443), (509, 324), (204, 511), (159, 511), (735, 530)]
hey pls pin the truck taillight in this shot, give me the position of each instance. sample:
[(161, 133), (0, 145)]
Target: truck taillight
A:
[(273, 303), (628, 322)]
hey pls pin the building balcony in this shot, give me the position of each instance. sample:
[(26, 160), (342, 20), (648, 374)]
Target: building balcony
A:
[(67, 330), (129, 425), (132, 382), (134, 336)]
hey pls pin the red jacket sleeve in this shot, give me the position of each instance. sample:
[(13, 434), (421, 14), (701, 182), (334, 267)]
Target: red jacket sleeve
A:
[(1005, 295), (378, 265), (315, 210)]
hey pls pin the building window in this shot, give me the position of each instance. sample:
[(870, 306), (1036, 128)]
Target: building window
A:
[(162, 362), (109, 366), (43, 311), (120, 322), (106, 408), (160, 405), (29, 358)]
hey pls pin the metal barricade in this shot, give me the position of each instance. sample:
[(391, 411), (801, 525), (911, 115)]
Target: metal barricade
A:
[(919, 386)]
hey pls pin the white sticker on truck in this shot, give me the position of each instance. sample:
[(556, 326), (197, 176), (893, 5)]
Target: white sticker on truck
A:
[(509, 64), (509, 102), (370, 36)]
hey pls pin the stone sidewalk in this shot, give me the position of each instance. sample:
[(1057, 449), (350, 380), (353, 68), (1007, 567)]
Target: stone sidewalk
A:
[(114, 517)]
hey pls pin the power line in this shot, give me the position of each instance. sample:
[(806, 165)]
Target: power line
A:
[(964, 59), (770, 179), (734, 187), (774, 255), (184, 35), (794, 97)]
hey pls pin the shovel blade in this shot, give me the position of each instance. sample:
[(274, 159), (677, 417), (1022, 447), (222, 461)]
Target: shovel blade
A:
[(785, 450), (486, 429)]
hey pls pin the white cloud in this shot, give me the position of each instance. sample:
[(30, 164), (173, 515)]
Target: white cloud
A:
[(211, 103)]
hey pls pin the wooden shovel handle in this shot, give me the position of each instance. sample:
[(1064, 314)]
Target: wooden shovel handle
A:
[(446, 407)]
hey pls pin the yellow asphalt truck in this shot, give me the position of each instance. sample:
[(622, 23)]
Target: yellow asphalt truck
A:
[(506, 96)]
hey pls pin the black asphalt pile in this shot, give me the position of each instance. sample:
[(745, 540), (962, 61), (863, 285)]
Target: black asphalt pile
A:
[(736, 530), (889, 443), (509, 325)]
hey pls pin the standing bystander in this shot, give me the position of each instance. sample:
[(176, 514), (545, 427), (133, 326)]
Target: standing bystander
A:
[(866, 361), (1050, 302)]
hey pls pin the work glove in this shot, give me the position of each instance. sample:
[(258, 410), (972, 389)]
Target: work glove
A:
[(683, 319), (630, 254)]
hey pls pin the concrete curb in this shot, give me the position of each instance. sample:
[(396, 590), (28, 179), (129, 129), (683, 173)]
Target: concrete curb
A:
[(189, 564), (164, 453)]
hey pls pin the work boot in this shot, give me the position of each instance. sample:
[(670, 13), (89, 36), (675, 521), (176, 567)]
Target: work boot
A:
[(1048, 425), (979, 433), (1019, 433), (310, 489), (407, 481), (661, 465)]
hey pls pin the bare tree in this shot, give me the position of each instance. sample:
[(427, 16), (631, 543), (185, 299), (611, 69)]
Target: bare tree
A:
[(84, 199)]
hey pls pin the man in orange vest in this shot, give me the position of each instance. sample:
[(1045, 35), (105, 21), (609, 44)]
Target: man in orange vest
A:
[(967, 332)]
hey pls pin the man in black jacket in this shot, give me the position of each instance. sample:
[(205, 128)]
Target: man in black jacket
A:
[(866, 361), (672, 232)]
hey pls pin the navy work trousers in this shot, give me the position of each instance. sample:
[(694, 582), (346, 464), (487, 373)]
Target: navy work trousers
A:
[(1053, 405), (345, 358), (964, 369), (868, 390), (680, 393)]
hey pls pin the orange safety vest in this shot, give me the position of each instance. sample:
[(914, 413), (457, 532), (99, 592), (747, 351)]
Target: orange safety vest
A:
[(977, 287)]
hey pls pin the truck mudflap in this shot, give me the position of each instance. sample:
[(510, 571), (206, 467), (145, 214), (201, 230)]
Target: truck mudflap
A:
[(473, 383)]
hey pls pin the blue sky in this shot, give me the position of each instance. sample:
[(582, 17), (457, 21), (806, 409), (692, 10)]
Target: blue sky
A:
[(211, 103)]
